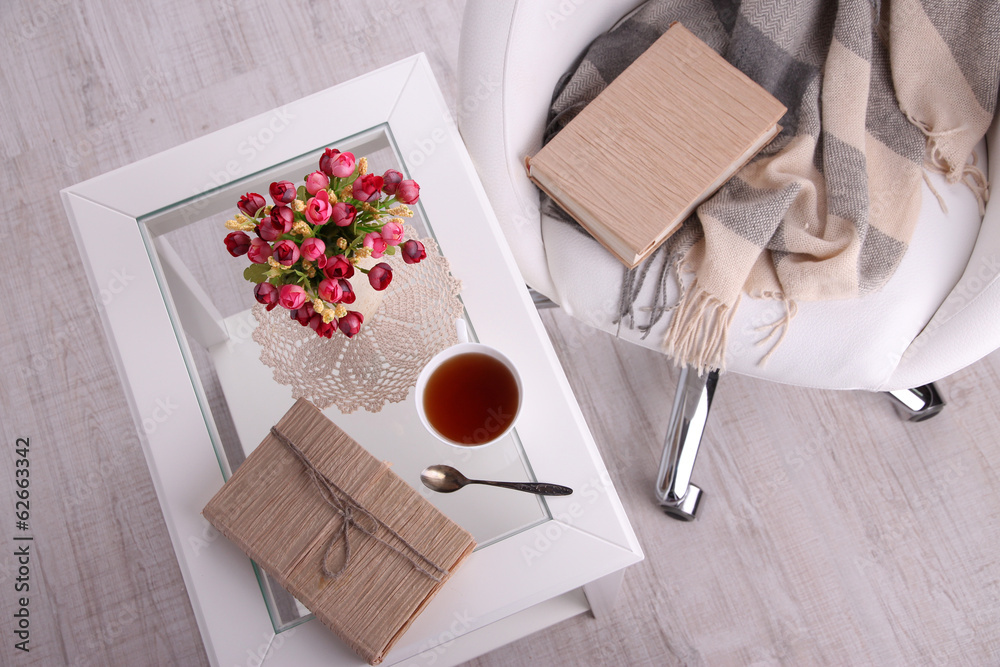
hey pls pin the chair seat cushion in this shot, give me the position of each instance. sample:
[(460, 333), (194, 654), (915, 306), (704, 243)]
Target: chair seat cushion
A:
[(510, 63)]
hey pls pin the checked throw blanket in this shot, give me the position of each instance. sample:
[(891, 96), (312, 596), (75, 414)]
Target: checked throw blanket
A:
[(877, 92)]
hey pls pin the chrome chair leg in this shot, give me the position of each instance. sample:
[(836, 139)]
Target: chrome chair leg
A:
[(678, 497), (917, 404)]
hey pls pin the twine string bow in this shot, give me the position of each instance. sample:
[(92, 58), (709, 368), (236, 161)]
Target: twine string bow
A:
[(354, 515)]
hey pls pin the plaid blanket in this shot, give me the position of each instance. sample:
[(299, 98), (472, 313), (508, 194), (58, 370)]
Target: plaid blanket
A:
[(877, 93)]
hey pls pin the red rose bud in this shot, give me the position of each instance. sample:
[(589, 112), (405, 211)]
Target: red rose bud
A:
[(338, 267), (346, 291), (286, 252), (408, 192), (303, 315), (282, 192), (343, 214), (267, 294), (350, 324), (413, 251), (367, 188), (325, 329), (335, 163), (282, 218), (390, 180), (237, 243), (380, 276), (293, 297), (313, 248), (329, 290), (251, 203), (267, 231), (259, 251)]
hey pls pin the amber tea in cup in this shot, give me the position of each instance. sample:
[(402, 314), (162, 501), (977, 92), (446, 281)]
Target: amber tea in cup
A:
[(469, 395)]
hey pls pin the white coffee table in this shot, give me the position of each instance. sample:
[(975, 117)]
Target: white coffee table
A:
[(175, 308)]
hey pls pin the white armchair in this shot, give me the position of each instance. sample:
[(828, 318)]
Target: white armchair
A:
[(939, 312)]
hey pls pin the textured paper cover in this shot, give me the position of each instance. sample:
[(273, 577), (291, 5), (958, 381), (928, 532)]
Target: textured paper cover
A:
[(661, 138), (273, 512)]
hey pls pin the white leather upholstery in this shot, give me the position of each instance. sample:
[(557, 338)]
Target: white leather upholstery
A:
[(512, 54)]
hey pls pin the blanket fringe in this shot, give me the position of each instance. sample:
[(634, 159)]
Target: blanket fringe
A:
[(699, 330), (782, 324), (969, 173)]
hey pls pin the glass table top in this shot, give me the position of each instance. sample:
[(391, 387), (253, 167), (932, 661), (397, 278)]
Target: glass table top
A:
[(238, 395)]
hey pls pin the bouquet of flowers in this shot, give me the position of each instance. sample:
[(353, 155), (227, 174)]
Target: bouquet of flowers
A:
[(308, 243)]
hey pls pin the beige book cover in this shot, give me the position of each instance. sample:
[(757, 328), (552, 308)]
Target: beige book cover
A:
[(402, 548), (658, 141)]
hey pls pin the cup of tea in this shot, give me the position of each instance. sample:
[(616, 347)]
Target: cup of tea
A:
[(469, 395)]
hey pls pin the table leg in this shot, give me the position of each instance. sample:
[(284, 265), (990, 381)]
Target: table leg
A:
[(602, 594)]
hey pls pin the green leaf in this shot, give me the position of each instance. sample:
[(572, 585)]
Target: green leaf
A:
[(302, 193), (256, 273), (391, 250)]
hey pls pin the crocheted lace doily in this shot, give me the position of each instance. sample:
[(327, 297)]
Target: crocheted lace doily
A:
[(415, 321)]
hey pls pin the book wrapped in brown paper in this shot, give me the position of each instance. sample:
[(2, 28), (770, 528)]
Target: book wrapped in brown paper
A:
[(339, 530), (667, 133)]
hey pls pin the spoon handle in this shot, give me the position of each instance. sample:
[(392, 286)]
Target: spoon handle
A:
[(539, 488)]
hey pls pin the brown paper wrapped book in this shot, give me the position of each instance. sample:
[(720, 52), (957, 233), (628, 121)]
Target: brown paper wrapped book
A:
[(339, 530), (666, 133)]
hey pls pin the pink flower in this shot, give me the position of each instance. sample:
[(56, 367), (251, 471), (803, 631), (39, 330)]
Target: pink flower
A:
[(391, 179), (292, 297), (259, 251), (313, 248), (282, 192), (318, 208), (335, 163), (286, 252), (392, 232), (330, 291), (350, 324), (380, 275), (282, 218), (237, 243), (408, 192), (367, 188), (317, 181), (251, 203), (343, 214), (346, 291), (375, 241), (413, 251), (338, 267), (267, 294)]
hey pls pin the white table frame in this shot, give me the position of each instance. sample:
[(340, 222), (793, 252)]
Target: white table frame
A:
[(518, 585)]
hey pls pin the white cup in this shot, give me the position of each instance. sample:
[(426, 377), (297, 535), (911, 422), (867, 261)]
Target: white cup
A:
[(491, 428)]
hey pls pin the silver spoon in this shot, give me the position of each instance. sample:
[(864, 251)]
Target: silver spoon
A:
[(446, 479)]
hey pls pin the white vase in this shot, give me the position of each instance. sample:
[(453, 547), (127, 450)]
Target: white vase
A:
[(367, 298)]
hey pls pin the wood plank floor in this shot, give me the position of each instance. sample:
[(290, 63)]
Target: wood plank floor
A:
[(832, 533)]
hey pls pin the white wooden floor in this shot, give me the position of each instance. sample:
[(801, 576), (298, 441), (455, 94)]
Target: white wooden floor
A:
[(832, 533)]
